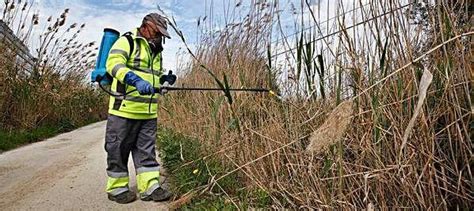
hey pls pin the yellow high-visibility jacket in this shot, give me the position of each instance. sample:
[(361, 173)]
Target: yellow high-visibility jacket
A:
[(141, 61)]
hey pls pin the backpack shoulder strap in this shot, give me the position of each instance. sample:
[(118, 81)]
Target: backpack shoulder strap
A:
[(129, 37), (161, 63)]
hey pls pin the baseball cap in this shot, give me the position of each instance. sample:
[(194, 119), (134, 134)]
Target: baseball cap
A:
[(160, 22)]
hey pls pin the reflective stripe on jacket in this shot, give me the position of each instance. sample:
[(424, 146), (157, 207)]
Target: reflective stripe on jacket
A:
[(142, 63)]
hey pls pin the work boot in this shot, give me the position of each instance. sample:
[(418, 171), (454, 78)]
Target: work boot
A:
[(158, 194), (123, 198)]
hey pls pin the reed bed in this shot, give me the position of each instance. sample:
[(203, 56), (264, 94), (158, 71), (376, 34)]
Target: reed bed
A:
[(404, 67), (51, 89)]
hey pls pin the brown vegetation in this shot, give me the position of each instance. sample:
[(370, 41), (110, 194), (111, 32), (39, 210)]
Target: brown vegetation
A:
[(377, 61), (50, 88)]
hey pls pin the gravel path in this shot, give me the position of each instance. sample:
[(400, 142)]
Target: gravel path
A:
[(66, 172)]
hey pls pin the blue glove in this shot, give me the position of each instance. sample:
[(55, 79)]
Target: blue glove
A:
[(143, 87)]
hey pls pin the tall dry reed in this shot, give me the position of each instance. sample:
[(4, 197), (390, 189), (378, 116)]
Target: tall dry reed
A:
[(380, 56), (52, 90)]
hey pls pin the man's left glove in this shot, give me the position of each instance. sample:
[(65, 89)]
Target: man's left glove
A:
[(143, 87), (170, 78)]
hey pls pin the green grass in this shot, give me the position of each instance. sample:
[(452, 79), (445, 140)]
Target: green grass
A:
[(13, 139), (196, 174), (210, 203), (185, 178)]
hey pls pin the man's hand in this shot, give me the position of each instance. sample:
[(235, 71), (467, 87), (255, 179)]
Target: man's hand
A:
[(143, 87), (170, 78)]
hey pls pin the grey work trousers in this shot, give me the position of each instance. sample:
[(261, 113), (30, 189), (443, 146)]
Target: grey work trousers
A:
[(128, 135)]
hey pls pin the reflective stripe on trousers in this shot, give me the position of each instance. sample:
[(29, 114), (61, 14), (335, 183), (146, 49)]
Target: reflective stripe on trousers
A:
[(117, 186), (147, 180), (138, 137)]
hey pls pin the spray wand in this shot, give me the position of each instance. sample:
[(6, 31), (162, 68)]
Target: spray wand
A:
[(171, 79)]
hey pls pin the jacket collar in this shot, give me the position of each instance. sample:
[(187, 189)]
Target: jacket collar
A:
[(136, 34)]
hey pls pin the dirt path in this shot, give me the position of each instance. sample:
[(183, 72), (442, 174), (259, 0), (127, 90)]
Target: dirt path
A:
[(66, 172)]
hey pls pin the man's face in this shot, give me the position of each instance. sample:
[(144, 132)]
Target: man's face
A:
[(153, 32), (155, 38)]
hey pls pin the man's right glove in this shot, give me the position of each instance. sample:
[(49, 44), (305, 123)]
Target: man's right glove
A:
[(143, 87)]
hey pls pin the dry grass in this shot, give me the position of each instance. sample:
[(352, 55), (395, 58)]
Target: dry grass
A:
[(377, 61), (332, 130), (53, 91)]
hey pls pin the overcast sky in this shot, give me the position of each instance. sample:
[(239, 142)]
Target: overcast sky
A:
[(125, 15)]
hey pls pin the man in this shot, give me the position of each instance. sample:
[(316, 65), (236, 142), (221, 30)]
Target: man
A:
[(135, 62)]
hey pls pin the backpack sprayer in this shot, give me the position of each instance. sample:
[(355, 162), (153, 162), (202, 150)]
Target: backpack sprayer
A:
[(103, 78)]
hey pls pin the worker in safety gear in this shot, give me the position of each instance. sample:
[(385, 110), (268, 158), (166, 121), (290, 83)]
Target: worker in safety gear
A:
[(132, 121)]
